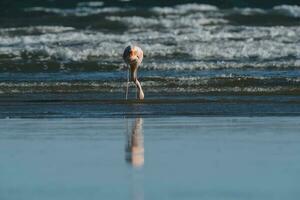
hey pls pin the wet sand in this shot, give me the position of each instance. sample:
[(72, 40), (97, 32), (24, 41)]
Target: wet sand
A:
[(150, 158), (74, 106)]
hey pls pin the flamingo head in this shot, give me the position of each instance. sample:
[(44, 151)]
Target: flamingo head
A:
[(133, 55)]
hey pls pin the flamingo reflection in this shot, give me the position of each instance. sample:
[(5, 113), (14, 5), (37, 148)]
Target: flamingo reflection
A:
[(135, 144)]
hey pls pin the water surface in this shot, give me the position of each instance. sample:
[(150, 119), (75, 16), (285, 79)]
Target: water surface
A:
[(73, 50), (146, 158)]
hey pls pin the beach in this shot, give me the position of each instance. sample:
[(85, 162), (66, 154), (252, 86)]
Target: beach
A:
[(183, 158), (220, 118)]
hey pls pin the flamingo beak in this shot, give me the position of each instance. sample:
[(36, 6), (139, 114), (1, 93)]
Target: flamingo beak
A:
[(131, 53)]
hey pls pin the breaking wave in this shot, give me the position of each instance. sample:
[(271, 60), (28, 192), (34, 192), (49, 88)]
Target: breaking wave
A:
[(156, 84), (219, 44), (289, 10)]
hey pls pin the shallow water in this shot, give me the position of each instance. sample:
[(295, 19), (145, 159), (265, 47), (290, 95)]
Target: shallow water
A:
[(165, 158)]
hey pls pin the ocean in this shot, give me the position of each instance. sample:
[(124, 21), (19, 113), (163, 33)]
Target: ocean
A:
[(64, 58)]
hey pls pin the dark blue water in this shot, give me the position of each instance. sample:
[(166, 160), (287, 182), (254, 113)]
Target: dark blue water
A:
[(69, 52)]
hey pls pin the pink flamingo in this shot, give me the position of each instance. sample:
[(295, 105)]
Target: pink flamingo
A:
[(133, 56)]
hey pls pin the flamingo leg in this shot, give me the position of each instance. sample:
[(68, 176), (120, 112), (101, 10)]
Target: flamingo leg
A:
[(133, 77), (127, 84), (140, 93)]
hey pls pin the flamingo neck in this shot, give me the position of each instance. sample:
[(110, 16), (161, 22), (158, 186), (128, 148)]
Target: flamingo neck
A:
[(134, 65)]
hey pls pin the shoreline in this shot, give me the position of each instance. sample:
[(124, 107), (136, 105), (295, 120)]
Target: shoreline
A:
[(99, 108)]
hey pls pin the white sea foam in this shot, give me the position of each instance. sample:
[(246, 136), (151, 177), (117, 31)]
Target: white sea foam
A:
[(184, 8), (267, 49), (92, 8), (34, 29), (170, 84), (289, 10), (195, 34), (195, 20), (78, 11), (91, 4), (200, 44), (95, 7), (205, 65), (249, 11)]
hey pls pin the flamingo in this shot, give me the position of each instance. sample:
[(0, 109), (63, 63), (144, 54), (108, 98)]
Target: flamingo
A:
[(133, 56), (135, 144)]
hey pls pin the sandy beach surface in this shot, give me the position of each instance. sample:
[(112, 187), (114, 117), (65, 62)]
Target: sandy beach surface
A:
[(150, 158)]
